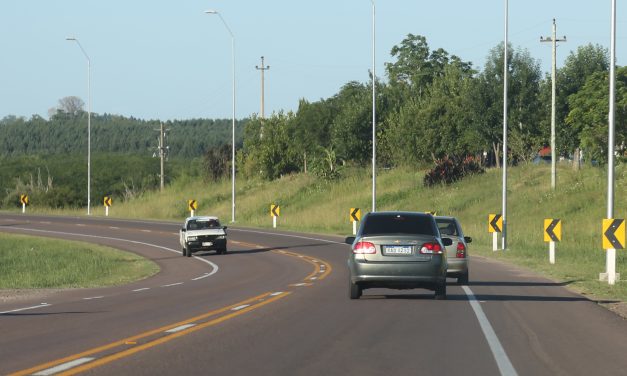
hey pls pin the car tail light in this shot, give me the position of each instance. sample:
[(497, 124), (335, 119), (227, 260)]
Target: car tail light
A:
[(433, 248), (461, 250), (364, 248)]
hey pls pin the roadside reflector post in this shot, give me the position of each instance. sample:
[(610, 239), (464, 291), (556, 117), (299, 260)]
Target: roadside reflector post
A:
[(106, 211), (275, 211), (24, 201), (354, 215), (495, 226), (107, 202), (552, 252)]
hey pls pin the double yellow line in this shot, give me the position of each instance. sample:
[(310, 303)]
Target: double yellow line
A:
[(99, 356)]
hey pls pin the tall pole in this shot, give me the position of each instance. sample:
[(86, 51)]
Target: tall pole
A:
[(611, 253), (553, 39), (233, 113), (374, 116), (88, 122), (262, 69), (161, 155), (504, 213)]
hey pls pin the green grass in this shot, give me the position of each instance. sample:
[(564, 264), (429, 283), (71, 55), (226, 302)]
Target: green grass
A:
[(311, 205), (30, 262)]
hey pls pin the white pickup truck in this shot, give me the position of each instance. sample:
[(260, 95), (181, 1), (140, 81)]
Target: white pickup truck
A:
[(202, 234)]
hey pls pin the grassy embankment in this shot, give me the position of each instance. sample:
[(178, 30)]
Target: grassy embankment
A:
[(310, 205), (28, 262)]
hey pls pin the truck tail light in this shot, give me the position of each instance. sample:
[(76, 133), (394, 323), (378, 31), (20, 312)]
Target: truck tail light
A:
[(362, 248)]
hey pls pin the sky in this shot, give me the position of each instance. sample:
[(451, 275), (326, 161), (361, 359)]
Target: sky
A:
[(167, 60)]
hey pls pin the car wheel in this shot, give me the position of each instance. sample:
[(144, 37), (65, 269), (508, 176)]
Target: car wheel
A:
[(354, 290), (189, 252), (463, 278), (224, 251), (184, 252), (440, 291)]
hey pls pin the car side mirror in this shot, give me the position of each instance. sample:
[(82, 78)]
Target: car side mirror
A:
[(447, 241), (349, 240), (468, 239)]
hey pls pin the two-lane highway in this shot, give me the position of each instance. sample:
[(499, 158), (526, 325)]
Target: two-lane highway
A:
[(278, 304)]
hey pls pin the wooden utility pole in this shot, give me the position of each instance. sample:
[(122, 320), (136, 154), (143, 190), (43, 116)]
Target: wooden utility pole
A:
[(163, 150), (553, 39)]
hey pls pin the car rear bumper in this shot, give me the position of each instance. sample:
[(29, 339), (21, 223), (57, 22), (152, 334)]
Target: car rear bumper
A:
[(397, 275), (457, 266)]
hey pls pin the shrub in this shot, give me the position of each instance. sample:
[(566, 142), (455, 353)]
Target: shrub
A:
[(450, 169)]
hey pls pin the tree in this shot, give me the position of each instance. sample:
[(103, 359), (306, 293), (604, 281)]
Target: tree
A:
[(71, 105)]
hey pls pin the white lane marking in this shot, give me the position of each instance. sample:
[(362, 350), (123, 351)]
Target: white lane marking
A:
[(44, 222), (94, 297), (214, 266), (276, 293), (502, 361), (173, 284), (240, 307), (114, 228), (27, 308), (146, 230), (63, 367), (180, 328), (312, 278), (300, 284), (142, 289), (81, 224), (201, 277)]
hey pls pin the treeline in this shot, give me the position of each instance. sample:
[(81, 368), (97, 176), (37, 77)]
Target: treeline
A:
[(434, 105), (66, 133)]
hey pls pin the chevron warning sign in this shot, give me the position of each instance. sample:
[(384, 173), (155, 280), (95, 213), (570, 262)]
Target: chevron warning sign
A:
[(192, 205), (24, 199), (552, 230), (107, 201), (495, 223), (613, 234), (275, 210), (355, 215)]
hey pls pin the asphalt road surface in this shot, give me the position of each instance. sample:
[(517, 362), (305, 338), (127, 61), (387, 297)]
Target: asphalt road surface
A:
[(277, 304)]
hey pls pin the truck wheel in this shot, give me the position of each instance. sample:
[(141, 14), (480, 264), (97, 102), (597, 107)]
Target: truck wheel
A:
[(189, 252), (184, 253)]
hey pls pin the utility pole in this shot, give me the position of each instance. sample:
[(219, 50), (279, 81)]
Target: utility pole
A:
[(553, 39), (163, 151), (262, 69)]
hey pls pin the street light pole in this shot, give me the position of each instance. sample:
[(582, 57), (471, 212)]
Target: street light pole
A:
[(505, 71), (374, 117), (233, 113), (88, 122)]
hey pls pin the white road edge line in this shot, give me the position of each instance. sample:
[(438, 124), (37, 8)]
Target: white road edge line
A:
[(179, 328), (63, 367), (142, 289), (27, 308), (201, 277), (173, 284), (502, 361)]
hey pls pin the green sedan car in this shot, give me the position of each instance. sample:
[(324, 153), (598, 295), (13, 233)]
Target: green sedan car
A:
[(397, 250)]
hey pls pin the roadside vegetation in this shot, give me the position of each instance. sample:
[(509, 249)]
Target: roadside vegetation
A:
[(28, 262)]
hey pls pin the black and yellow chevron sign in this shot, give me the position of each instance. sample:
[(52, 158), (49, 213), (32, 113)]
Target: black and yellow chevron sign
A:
[(275, 210), (354, 215), (192, 205), (552, 230), (495, 223), (24, 199), (613, 233), (107, 201)]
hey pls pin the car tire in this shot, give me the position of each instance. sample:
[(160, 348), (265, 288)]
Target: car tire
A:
[(223, 251), (189, 252), (184, 252), (354, 290), (463, 278), (440, 291)]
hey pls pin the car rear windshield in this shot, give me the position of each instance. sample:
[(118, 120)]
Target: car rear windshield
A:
[(447, 227), (382, 224)]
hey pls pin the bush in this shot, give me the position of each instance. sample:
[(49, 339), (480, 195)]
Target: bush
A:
[(450, 169)]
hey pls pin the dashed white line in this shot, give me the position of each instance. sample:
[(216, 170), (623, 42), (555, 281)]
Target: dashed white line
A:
[(63, 367), (27, 308), (180, 328), (300, 284), (44, 222), (146, 230), (94, 297), (313, 278), (240, 307), (81, 224), (114, 228), (276, 293), (142, 289), (173, 284)]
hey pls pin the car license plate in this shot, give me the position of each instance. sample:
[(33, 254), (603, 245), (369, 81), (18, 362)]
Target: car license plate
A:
[(397, 250), (207, 244)]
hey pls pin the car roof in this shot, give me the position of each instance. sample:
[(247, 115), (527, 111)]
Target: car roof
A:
[(202, 218)]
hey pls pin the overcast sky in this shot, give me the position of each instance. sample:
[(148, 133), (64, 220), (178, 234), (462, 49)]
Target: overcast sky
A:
[(157, 59)]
